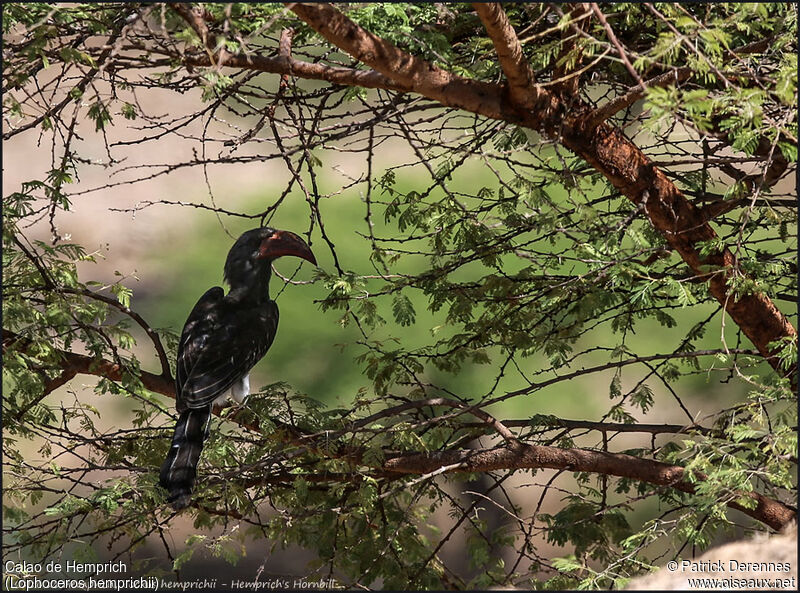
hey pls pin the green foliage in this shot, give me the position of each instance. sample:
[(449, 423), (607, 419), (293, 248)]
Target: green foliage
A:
[(489, 276)]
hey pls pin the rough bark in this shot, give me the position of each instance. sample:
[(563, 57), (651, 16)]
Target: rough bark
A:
[(603, 146), (521, 80)]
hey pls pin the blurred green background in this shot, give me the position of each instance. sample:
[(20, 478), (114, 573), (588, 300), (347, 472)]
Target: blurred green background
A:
[(315, 353)]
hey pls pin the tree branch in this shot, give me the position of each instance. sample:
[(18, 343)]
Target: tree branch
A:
[(50, 284), (283, 64), (675, 76), (566, 76), (194, 17), (620, 49), (604, 147), (521, 80), (74, 364), (617, 104), (408, 71), (558, 423), (291, 66), (525, 456), (78, 89), (517, 455), (151, 333)]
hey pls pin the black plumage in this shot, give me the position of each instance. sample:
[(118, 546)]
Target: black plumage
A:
[(223, 338)]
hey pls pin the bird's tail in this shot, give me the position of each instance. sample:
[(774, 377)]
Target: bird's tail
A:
[(180, 467)]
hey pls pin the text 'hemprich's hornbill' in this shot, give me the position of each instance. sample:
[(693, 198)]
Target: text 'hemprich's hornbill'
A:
[(224, 337)]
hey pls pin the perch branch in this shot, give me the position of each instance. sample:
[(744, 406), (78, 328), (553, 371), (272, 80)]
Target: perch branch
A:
[(516, 455)]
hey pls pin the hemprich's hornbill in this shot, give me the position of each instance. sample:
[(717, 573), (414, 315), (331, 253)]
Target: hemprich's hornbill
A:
[(224, 336)]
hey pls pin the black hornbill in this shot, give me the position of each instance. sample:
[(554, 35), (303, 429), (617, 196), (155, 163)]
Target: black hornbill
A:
[(224, 336)]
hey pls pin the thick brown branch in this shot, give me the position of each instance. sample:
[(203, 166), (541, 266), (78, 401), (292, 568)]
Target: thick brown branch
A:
[(604, 147), (406, 70), (285, 43), (73, 364), (521, 80), (525, 456)]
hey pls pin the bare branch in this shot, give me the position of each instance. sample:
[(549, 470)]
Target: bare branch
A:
[(623, 54), (617, 104), (526, 456)]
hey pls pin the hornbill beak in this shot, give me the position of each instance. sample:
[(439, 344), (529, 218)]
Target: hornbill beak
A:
[(285, 243)]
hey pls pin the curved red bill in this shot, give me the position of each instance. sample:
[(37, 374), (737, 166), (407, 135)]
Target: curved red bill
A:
[(282, 243)]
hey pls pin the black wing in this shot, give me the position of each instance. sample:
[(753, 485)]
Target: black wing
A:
[(221, 341), (193, 337)]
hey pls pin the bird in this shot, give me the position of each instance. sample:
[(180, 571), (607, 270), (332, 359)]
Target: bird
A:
[(224, 336)]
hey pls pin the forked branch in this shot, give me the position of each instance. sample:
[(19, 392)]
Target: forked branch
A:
[(604, 147)]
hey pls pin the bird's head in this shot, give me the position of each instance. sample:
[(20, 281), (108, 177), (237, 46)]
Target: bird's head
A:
[(250, 258)]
